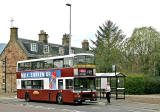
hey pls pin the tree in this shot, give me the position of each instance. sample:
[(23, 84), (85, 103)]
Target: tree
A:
[(107, 46), (143, 50)]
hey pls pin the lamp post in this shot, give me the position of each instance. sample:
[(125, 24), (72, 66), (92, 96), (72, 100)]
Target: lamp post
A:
[(69, 29)]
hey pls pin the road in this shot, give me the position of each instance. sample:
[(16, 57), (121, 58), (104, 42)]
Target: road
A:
[(17, 105)]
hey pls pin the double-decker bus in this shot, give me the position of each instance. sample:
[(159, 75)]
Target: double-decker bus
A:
[(69, 78)]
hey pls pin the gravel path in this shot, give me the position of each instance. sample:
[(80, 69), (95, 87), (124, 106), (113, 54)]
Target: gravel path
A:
[(151, 99)]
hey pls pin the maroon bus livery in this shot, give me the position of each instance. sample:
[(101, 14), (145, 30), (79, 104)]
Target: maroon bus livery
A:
[(69, 78)]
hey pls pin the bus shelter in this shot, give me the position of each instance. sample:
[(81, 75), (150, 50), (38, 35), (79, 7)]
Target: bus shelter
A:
[(117, 83)]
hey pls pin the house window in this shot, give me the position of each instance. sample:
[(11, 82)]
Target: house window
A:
[(34, 47), (46, 49), (3, 80), (72, 51), (61, 50), (3, 63)]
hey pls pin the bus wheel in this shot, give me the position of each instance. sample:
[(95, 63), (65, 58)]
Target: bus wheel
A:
[(27, 97), (60, 99)]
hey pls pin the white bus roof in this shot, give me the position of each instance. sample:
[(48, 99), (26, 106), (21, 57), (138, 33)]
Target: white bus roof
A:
[(55, 57)]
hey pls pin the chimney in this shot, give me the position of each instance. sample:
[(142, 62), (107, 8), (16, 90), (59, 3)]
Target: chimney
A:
[(13, 33), (85, 45), (65, 40), (43, 37)]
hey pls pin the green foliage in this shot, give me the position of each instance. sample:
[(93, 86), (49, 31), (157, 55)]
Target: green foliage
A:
[(107, 46), (152, 85), (142, 51), (138, 54), (142, 84), (135, 84)]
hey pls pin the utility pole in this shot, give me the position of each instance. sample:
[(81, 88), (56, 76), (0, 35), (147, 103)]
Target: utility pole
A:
[(5, 71)]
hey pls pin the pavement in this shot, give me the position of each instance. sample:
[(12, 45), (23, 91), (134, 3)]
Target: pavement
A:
[(132, 103), (8, 95), (149, 99)]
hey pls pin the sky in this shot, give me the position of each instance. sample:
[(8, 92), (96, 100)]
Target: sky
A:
[(52, 16)]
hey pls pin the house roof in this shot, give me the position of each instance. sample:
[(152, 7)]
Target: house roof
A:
[(54, 49)]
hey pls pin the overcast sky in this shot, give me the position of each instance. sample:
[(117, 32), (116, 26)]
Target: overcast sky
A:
[(52, 16)]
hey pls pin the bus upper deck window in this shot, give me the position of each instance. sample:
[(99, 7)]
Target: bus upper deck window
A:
[(79, 60), (90, 60), (68, 62), (84, 60)]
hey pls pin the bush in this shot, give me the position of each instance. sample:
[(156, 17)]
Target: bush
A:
[(152, 85), (142, 84), (135, 84)]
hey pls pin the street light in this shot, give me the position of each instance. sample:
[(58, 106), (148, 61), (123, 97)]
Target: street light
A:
[(69, 29)]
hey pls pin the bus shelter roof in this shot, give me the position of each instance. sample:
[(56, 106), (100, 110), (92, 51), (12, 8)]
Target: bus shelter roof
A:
[(110, 75)]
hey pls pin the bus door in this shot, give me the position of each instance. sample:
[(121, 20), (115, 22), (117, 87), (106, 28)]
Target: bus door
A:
[(68, 92), (37, 88)]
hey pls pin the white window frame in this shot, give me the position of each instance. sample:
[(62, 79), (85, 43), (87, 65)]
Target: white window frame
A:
[(64, 82), (34, 47), (46, 48)]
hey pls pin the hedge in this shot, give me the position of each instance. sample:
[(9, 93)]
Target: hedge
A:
[(142, 84)]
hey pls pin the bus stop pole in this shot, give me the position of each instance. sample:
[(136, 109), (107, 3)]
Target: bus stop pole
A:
[(100, 87), (116, 83), (124, 86)]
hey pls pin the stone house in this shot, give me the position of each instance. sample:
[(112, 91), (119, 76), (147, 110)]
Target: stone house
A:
[(22, 49)]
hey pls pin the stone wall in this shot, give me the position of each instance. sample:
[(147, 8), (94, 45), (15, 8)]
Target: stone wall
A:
[(13, 52)]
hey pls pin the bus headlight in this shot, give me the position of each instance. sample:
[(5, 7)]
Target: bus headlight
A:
[(75, 95), (79, 95), (94, 95)]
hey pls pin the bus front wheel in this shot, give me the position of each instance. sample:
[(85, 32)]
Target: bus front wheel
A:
[(60, 99)]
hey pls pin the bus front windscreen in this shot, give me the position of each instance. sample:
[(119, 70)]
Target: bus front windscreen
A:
[(84, 60), (84, 84)]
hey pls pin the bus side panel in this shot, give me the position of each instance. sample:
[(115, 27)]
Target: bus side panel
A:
[(36, 95), (44, 95), (54, 95), (20, 94), (18, 75), (39, 95), (68, 96), (67, 72)]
